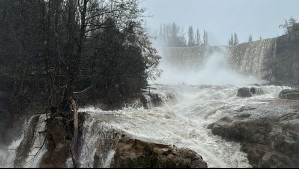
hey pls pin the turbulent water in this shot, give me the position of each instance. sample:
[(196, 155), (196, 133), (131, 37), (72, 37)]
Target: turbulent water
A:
[(183, 122), (28, 149), (191, 101)]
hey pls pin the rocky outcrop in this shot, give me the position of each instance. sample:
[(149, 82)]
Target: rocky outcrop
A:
[(289, 94), (151, 100), (257, 91), (268, 134), (114, 149), (133, 153), (59, 140), (249, 92), (244, 92)]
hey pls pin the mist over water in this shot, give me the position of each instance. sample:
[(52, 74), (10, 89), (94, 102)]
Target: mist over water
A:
[(215, 70)]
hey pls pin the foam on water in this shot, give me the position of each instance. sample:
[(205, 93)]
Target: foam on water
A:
[(184, 123)]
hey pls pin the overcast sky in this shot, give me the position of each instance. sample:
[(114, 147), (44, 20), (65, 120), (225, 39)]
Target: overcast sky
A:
[(221, 18)]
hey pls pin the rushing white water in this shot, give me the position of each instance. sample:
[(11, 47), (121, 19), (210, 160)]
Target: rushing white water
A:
[(32, 138), (214, 70), (38, 148), (7, 156), (192, 99), (198, 97), (184, 123)]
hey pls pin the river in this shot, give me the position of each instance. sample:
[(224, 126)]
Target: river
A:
[(191, 100)]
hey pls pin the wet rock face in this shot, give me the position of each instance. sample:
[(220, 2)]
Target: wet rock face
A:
[(249, 92), (269, 141), (244, 92), (138, 154), (151, 100), (125, 151), (289, 94), (59, 140)]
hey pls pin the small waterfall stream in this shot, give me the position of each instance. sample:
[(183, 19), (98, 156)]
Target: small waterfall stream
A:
[(28, 150)]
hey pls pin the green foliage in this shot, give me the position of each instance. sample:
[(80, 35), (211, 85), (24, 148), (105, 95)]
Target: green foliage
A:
[(120, 62)]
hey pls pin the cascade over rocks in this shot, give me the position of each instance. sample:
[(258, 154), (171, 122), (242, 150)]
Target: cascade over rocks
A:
[(129, 152), (151, 100), (59, 140)]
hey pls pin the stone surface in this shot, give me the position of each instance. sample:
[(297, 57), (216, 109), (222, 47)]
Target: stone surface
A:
[(151, 100), (244, 92), (58, 144), (269, 134), (249, 92), (129, 152), (59, 140), (289, 94), (133, 153)]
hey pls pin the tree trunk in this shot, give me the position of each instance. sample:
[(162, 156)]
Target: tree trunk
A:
[(74, 146)]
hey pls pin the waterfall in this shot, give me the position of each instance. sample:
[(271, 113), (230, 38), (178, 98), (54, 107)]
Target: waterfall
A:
[(28, 150), (97, 148), (181, 120), (251, 58), (248, 58), (148, 101), (187, 58)]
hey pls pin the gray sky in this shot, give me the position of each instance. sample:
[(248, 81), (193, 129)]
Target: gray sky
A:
[(221, 18)]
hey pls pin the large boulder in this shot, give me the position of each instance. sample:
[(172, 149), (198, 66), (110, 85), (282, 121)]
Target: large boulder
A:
[(244, 92), (129, 151), (290, 94), (59, 141), (270, 136), (133, 153), (257, 91), (249, 92)]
